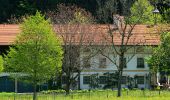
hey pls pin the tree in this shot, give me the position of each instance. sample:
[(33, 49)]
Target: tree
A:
[(1, 63), (106, 8), (37, 51), (71, 14), (159, 61), (72, 25), (121, 38), (143, 7), (163, 7)]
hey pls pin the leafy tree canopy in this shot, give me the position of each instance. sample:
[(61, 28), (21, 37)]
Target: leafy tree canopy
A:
[(37, 50), (101, 9), (1, 63), (160, 59), (142, 13), (69, 14)]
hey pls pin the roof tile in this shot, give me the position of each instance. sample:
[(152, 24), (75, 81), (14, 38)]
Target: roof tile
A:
[(96, 33)]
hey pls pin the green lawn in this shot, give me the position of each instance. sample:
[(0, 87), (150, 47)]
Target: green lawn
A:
[(94, 95)]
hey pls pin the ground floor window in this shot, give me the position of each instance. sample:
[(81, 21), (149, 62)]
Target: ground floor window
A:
[(102, 79), (64, 80), (86, 79), (123, 80), (140, 79)]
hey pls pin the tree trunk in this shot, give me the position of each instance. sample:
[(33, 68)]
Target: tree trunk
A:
[(119, 84), (35, 92), (78, 80), (120, 71), (67, 87)]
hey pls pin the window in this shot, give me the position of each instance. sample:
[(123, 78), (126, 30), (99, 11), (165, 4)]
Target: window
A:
[(140, 50), (86, 79), (140, 63), (124, 61), (86, 50), (64, 79), (86, 62), (123, 80), (102, 62), (102, 79), (140, 79)]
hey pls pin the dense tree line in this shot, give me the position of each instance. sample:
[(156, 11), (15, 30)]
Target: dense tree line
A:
[(102, 10)]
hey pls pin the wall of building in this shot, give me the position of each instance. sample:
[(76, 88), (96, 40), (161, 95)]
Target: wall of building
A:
[(131, 70)]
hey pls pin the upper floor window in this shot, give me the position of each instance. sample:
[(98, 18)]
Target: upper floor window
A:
[(124, 62), (102, 63), (140, 49), (140, 62), (86, 50), (86, 62)]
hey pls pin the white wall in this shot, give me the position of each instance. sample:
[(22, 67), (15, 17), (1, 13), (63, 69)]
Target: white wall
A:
[(131, 69)]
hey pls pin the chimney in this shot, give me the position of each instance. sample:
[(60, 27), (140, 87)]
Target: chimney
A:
[(117, 20)]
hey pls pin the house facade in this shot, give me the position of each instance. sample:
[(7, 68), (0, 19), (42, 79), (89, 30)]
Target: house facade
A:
[(136, 67)]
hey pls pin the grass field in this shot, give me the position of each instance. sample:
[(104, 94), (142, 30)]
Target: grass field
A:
[(93, 95)]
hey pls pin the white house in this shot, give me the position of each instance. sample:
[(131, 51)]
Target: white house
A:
[(98, 36), (95, 35)]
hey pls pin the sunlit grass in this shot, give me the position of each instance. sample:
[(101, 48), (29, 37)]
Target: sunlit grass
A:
[(93, 95)]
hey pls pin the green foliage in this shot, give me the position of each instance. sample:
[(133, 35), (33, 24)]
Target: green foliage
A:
[(141, 13), (81, 17), (155, 60), (101, 9), (166, 15), (25, 7), (106, 9), (95, 95), (1, 63), (72, 14), (36, 52), (160, 57)]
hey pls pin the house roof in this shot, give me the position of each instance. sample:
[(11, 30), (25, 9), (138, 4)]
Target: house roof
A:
[(92, 33)]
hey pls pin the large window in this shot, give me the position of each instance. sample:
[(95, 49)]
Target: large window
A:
[(102, 63), (102, 79), (86, 79), (124, 62), (140, 63), (140, 79)]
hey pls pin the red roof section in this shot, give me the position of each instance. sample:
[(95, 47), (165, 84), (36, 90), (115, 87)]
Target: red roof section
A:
[(92, 33)]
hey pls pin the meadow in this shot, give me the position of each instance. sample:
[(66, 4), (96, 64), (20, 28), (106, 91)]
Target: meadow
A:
[(92, 95)]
